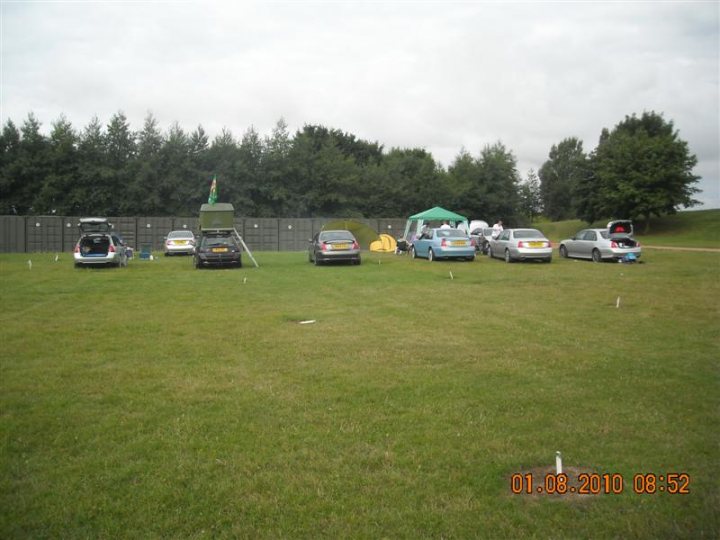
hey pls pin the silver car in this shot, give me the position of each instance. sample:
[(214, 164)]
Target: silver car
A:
[(327, 246), (180, 242), (520, 245), (98, 244), (614, 243)]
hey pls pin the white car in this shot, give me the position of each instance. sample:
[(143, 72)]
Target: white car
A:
[(521, 245)]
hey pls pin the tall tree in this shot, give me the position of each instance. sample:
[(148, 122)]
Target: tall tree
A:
[(530, 198), (120, 148), (559, 177), (640, 169), (57, 194), (10, 186)]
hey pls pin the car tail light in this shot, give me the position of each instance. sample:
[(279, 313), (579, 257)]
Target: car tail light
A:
[(521, 244), (613, 245), (77, 248), (324, 247), (111, 249), (443, 242), (355, 245), (168, 243), (637, 244), (473, 243), (549, 244)]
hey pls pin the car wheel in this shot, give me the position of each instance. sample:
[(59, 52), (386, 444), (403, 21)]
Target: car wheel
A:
[(358, 261), (413, 253), (431, 255), (563, 252), (317, 261), (548, 260), (471, 259), (596, 257), (490, 253), (508, 258)]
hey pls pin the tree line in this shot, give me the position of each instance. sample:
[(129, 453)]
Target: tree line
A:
[(639, 168)]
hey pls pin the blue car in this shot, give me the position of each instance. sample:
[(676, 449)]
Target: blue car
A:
[(443, 244)]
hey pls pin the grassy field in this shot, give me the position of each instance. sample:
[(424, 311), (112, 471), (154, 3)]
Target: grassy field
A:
[(700, 229), (162, 401)]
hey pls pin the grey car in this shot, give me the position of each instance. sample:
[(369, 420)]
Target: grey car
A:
[(98, 244), (338, 245), (521, 245), (614, 243)]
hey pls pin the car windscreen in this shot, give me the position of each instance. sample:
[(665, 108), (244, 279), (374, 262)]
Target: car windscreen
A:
[(450, 233), (336, 235), (528, 233), (213, 241), (180, 234)]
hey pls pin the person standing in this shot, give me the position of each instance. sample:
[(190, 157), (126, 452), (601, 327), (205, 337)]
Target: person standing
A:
[(497, 229)]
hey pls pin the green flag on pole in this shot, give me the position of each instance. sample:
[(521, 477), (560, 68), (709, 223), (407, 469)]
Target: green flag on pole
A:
[(212, 199)]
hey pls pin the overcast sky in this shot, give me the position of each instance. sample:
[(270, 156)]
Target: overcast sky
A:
[(437, 75)]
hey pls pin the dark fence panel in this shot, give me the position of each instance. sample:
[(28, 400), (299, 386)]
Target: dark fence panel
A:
[(44, 233), (151, 231), (19, 234), (293, 234), (12, 234), (126, 228), (185, 223), (261, 234)]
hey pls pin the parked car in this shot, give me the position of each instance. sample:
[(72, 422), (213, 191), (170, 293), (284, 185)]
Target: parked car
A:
[(180, 242), (521, 245), (481, 238), (441, 243), (218, 249), (614, 243), (338, 245), (98, 244)]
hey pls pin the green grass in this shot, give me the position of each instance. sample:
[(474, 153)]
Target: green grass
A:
[(700, 229), (162, 401)]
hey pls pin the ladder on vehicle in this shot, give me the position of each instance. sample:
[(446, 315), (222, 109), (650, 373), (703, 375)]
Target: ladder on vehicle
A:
[(244, 245)]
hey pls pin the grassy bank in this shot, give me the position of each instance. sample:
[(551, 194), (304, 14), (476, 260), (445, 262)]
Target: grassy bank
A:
[(161, 401), (685, 229)]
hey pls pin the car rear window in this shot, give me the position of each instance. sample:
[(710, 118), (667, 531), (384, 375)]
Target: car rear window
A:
[(336, 235), (180, 234), (604, 234), (528, 233), (450, 233), (211, 241)]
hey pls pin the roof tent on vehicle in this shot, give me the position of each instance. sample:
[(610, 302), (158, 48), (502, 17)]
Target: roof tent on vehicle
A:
[(433, 214), (217, 217), (220, 218)]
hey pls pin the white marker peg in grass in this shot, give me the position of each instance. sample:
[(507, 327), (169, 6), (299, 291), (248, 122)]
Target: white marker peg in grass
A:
[(311, 321), (558, 462), (617, 303), (244, 280), (451, 275), (29, 264)]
